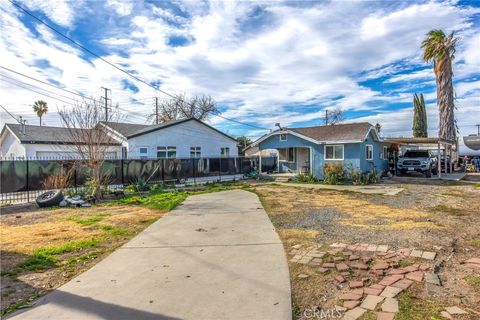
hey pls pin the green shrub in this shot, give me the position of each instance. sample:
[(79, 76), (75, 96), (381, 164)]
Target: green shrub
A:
[(333, 173), (361, 178), (306, 178)]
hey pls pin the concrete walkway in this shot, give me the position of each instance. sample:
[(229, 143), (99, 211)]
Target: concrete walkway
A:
[(217, 256), (370, 189)]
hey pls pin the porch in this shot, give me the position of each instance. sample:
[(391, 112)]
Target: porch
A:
[(293, 161)]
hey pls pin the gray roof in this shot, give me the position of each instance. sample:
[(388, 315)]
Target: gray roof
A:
[(338, 132), (167, 124), (125, 129), (44, 134)]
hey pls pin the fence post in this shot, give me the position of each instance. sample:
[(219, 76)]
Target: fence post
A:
[(163, 170), (26, 180), (220, 170), (122, 174), (194, 172), (75, 179)]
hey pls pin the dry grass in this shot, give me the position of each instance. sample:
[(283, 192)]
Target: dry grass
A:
[(360, 213), (422, 217), (65, 225), (42, 250)]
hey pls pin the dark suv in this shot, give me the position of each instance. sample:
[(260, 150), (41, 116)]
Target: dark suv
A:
[(417, 161)]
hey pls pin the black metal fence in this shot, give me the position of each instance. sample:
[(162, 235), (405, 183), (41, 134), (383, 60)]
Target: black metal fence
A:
[(24, 180)]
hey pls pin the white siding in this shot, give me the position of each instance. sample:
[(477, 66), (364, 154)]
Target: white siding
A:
[(10, 145), (183, 136), (58, 151)]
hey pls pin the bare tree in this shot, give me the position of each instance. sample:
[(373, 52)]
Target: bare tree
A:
[(181, 107), (88, 139), (333, 116)]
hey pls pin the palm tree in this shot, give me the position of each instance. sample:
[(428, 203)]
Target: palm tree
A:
[(440, 48), (40, 108)]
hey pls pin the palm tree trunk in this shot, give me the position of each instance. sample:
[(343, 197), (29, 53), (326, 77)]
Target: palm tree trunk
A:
[(446, 107), (40, 120)]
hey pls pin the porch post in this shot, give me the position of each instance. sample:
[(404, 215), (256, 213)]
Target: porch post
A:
[(445, 157), (278, 161), (260, 163), (451, 158), (310, 156), (439, 166)]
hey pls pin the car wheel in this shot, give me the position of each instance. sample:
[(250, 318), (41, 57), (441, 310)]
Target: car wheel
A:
[(49, 198)]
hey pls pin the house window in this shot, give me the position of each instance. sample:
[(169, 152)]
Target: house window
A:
[(195, 152), (385, 153), (124, 153), (283, 137), (334, 152), (369, 152), (225, 152), (166, 152), (291, 154), (143, 153)]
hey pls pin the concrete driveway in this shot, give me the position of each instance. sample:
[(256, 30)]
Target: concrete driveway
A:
[(217, 256)]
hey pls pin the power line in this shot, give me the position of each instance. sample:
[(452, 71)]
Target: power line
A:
[(115, 66), (41, 93), (56, 87), (28, 84), (11, 115)]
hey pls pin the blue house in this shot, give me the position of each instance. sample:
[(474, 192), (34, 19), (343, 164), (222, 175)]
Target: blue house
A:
[(307, 150)]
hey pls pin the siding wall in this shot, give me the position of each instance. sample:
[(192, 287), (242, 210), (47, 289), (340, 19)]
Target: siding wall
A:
[(354, 153), (183, 136), (10, 145)]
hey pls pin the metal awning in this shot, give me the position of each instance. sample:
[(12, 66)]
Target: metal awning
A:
[(433, 140)]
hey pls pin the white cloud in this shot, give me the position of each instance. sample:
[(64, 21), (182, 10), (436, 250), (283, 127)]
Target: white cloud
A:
[(290, 58), (61, 12)]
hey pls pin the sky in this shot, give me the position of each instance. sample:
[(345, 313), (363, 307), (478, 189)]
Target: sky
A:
[(262, 62)]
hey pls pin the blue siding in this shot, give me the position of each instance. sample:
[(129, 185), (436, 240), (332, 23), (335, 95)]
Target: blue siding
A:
[(377, 163), (354, 153)]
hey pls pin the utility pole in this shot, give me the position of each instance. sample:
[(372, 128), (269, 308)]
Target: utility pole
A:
[(478, 128), (106, 98), (156, 110), (326, 117)]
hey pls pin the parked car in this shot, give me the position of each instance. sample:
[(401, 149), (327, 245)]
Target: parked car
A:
[(417, 161)]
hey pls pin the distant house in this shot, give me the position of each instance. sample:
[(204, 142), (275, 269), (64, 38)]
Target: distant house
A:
[(308, 149), (186, 138), (42, 142)]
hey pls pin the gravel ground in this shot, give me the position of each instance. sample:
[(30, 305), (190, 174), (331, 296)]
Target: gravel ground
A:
[(429, 215)]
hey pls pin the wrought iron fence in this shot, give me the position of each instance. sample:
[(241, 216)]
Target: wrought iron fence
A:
[(23, 180)]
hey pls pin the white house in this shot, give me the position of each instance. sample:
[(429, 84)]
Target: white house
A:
[(185, 138), (40, 142)]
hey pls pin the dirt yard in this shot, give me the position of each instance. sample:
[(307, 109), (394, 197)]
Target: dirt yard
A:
[(43, 249), (432, 216)]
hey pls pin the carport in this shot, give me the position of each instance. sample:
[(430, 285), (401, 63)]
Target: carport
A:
[(440, 144)]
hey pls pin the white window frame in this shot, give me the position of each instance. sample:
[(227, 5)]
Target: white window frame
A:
[(225, 152), (195, 152), (141, 154), (385, 153), (367, 146), (167, 150), (333, 146), (283, 136)]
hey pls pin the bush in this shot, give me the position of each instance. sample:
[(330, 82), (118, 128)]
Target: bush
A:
[(363, 178), (333, 173), (306, 178)]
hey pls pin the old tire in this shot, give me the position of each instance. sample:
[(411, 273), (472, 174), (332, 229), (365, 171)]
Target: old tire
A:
[(49, 198)]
